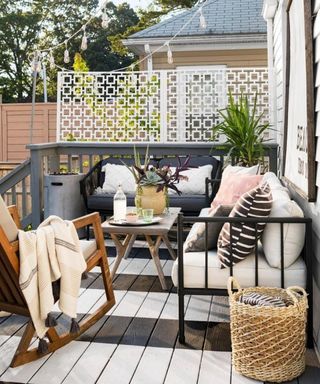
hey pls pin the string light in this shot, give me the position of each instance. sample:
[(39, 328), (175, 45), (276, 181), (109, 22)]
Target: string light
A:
[(51, 60), (84, 41), (105, 20), (202, 20), (169, 55), (134, 77), (66, 56)]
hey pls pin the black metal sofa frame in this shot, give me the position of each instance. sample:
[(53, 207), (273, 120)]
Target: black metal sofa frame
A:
[(307, 256)]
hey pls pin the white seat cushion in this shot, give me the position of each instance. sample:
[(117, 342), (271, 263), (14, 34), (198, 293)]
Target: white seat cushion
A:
[(194, 272), (88, 247)]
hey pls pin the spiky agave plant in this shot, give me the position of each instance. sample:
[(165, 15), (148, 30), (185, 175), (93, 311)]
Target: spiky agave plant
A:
[(243, 130)]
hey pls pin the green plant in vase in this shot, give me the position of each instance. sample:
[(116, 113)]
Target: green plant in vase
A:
[(244, 131), (153, 182)]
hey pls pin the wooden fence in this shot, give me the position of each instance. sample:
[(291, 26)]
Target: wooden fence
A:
[(15, 122)]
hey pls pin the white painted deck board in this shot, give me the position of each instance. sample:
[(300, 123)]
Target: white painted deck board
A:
[(60, 363), (153, 366), (178, 373), (122, 365), (90, 365), (215, 367), (130, 304)]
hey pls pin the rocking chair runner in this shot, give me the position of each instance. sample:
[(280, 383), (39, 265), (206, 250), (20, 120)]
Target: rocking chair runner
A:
[(11, 296)]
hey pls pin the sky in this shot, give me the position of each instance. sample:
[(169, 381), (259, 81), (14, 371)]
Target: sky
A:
[(134, 3)]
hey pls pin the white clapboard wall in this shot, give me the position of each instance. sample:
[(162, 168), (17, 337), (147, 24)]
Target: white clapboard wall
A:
[(279, 53)]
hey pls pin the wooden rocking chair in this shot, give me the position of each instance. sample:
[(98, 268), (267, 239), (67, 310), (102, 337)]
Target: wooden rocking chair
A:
[(11, 296)]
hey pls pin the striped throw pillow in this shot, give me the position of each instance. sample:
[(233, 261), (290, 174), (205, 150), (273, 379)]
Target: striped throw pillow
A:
[(262, 300), (255, 203)]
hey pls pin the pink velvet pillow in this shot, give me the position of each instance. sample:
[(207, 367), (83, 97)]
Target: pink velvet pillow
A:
[(234, 186)]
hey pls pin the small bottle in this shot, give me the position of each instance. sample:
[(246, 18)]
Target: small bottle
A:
[(119, 205)]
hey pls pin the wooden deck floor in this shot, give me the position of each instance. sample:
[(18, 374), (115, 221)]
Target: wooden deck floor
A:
[(137, 341)]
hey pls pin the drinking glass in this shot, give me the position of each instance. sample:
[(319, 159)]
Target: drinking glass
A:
[(147, 215)]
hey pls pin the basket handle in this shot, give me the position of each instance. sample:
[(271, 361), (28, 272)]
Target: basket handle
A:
[(291, 290), (232, 282)]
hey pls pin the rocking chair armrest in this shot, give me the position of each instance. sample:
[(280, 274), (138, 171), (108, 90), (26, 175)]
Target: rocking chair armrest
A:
[(90, 219), (13, 210)]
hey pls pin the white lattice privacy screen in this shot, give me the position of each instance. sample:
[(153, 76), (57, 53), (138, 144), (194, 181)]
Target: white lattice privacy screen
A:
[(158, 106)]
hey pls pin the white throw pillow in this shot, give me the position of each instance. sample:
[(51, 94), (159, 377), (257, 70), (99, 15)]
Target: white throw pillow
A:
[(236, 169), (196, 183), (294, 234), (118, 174)]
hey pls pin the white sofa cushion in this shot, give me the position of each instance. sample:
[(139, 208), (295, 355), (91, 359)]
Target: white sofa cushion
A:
[(194, 272), (196, 183), (294, 234), (116, 174), (238, 170)]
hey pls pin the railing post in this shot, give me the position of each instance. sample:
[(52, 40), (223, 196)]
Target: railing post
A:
[(36, 187), (163, 106)]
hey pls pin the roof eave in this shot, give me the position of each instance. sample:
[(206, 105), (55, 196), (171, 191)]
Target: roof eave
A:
[(202, 43)]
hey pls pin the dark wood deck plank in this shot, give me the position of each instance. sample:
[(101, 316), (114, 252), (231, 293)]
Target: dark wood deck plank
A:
[(113, 330), (164, 334), (139, 331), (218, 337)]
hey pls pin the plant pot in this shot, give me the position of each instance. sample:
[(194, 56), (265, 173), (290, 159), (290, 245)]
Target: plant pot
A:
[(148, 197)]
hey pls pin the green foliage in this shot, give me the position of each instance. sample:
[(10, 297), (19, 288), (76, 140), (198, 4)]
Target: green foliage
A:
[(243, 129), (148, 17), (27, 25), (79, 64)]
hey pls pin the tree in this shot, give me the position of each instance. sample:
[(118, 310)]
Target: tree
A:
[(29, 25), (147, 18), (18, 31)]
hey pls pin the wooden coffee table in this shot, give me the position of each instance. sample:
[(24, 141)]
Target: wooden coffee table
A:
[(155, 234)]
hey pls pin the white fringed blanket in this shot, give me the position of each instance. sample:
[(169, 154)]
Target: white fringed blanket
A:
[(50, 253)]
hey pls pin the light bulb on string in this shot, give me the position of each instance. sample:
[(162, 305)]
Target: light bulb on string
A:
[(202, 20), (66, 56), (169, 55), (84, 41), (51, 60), (105, 20), (134, 78), (36, 62)]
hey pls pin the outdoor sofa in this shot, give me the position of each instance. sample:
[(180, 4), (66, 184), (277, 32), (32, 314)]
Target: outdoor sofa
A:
[(286, 244), (96, 200)]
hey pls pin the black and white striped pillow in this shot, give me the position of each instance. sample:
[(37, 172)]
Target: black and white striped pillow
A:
[(255, 203)]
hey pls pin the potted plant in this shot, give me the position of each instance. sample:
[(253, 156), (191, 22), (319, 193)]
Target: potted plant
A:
[(153, 182), (244, 131)]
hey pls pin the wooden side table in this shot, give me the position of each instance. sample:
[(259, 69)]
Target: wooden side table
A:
[(155, 234)]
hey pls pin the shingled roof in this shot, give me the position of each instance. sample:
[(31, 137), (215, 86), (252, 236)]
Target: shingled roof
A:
[(223, 17)]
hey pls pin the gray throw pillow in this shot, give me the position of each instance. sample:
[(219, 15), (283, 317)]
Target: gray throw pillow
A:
[(195, 241)]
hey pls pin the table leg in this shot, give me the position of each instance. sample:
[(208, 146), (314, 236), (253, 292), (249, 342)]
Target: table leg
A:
[(154, 251), (130, 245), (169, 246), (123, 248)]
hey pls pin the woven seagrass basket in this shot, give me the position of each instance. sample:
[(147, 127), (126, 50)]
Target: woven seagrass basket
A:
[(268, 343)]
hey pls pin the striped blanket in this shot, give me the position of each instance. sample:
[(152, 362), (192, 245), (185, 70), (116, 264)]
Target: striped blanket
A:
[(50, 253)]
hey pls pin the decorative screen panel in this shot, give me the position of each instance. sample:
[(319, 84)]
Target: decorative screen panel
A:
[(158, 106)]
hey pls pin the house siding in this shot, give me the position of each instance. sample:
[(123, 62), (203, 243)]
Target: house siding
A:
[(230, 58), (311, 209)]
